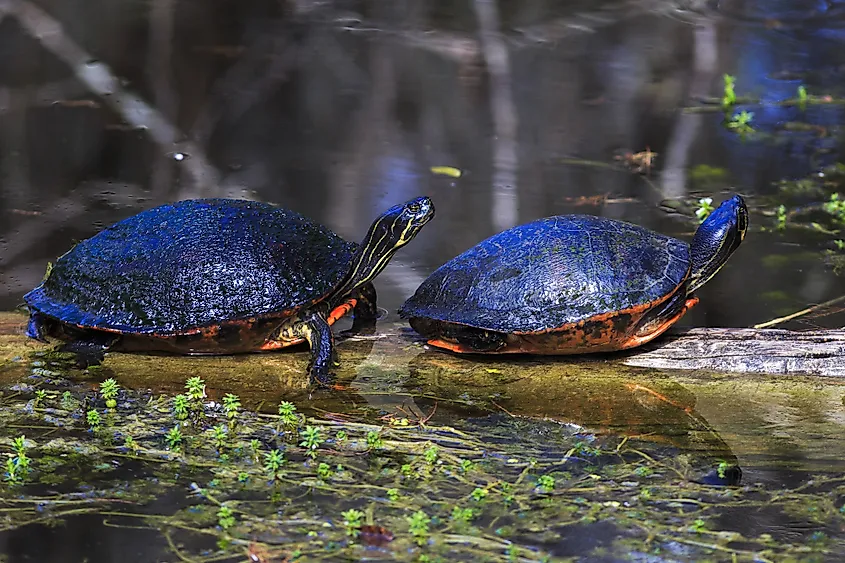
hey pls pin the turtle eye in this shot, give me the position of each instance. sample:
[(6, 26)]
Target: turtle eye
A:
[(414, 208)]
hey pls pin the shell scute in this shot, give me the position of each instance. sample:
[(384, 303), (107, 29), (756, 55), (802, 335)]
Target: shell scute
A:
[(553, 272), (191, 264)]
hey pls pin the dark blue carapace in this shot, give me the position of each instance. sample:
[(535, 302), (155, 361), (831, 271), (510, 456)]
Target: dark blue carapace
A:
[(571, 284), (191, 264)]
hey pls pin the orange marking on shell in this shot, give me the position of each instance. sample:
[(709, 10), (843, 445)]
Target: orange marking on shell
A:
[(453, 346), (596, 334), (279, 344)]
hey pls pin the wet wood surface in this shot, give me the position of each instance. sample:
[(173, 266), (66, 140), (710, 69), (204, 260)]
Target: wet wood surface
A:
[(746, 350)]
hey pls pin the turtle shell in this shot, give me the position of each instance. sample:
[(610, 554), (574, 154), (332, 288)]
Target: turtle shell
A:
[(553, 272), (191, 264)]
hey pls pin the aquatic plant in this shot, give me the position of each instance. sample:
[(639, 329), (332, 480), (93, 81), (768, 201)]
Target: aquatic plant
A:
[(108, 391), (195, 390), (288, 415), (311, 440), (273, 462), (836, 207), (728, 92), (352, 522), (231, 406), (18, 463), (418, 526), (741, 122), (704, 209), (180, 407), (374, 441)]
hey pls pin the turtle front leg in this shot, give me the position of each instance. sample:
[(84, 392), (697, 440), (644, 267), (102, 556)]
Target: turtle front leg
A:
[(365, 312), (314, 328), (37, 327)]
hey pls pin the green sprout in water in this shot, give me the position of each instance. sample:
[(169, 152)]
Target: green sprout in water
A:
[(462, 516), (17, 465), (839, 244), (802, 97), (311, 440), (180, 407), (220, 435), (352, 521), (781, 218), (108, 391), (374, 441), (324, 471), (273, 462), (93, 419), (231, 405), (705, 208), (836, 207), (130, 444), (546, 483), (393, 494), (431, 453), (479, 494), (741, 122), (225, 517), (418, 526), (729, 94), (288, 414), (195, 388), (173, 438), (68, 402), (40, 396)]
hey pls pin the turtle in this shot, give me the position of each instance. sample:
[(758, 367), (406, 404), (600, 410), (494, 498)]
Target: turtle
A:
[(571, 284), (217, 276)]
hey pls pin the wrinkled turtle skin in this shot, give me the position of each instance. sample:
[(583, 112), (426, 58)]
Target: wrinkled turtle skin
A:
[(217, 276), (571, 284)]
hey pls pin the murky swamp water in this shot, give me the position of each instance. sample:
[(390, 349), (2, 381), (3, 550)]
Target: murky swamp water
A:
[(339, 110)]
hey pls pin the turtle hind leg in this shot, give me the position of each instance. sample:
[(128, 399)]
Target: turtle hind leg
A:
[(90, 348)]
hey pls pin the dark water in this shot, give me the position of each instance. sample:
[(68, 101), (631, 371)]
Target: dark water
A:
[(340, 109)]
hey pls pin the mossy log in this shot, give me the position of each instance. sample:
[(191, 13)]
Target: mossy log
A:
[(736, 350)]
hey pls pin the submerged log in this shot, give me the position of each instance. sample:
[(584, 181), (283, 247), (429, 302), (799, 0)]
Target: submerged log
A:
[(746, 350)]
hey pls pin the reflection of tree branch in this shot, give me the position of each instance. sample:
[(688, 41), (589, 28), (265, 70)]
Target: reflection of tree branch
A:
[(246, 83), (685, 131), (99, 79), (159, 52), (505, 203)]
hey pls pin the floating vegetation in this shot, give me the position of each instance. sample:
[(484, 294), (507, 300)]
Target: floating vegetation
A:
[(291, 486)]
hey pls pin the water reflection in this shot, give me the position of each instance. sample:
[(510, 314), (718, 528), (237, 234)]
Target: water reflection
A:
[(335, 109)]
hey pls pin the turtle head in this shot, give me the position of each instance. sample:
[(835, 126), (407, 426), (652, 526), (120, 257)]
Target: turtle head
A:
[(392, 230), (716, 239)]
